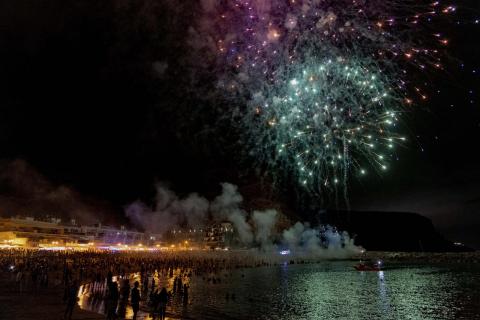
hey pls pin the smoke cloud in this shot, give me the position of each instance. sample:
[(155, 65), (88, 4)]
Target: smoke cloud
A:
[(264, 223), (257, 229), (226, 207), (169, 211), (325, 241), (25, 191)]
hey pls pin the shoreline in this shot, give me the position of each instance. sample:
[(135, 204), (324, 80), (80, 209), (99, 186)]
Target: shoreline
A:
[(46, 303), (472, 257)]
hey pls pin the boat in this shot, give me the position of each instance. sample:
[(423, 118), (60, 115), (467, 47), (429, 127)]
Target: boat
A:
[(374, 266)]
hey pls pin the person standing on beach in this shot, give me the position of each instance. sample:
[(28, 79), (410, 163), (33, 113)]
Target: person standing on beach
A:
[(153, 283), (185, 294), (19, 280), (175, 285), (71, 300), (109, 277), (34, 276), (135, 300), (112, 301), (163, 299)]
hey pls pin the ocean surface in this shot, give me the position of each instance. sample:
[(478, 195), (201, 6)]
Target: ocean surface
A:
[(327, 290)]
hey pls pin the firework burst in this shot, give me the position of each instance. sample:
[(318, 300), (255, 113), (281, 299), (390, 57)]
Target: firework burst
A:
[(325, 119), (319, 85)]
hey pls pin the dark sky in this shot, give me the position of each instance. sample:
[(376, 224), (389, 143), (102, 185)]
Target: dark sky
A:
[(82, 102)]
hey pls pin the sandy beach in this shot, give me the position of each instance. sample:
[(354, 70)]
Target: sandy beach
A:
[(45, 304)]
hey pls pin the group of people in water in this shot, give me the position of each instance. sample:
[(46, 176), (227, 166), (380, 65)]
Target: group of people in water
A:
[(148, 281)]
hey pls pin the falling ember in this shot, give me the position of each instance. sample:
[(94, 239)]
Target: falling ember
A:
[(310, 116), (314, 73), (273, 35)]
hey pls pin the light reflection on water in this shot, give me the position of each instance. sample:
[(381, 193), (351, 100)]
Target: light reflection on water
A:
[(331, 290)]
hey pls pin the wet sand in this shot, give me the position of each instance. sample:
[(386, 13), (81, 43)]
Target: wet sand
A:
[(46, 304), (93, 299)]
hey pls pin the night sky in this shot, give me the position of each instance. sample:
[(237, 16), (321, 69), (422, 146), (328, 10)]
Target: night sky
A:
[(92, 96)]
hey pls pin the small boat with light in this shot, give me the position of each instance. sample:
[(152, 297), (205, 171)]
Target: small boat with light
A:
[(369, 266)]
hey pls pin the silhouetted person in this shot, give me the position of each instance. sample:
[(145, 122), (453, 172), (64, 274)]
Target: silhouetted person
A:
[(19, 280), (185, 294), (135, 300), (34, 276), (145, 283), (112, 301), (163, 299), (124, 293), (71, 299), (175, 285), (153, 303), (109, 277), (125, 289), (179, 285)]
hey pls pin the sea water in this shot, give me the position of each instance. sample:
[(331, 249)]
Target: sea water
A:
[(328, 290)]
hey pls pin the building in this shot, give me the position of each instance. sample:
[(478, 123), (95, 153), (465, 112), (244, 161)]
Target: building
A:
[(18, 231), (52, 233), (188, 237), (31, 232), (219, 235), (110, 235), (214, 235)]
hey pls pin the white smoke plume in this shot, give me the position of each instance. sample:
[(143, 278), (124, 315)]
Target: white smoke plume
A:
[(169, 211), (25, 191), (194, 208), (327, 242), (264, 226), (257, 229), (226, 207)]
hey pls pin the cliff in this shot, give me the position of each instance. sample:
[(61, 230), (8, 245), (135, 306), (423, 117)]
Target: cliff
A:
[(390, 231)]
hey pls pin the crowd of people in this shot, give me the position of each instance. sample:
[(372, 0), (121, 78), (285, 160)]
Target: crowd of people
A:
[(121, 278)]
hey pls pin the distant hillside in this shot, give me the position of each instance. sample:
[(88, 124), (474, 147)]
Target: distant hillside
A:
[(26, 192), (390, 231)]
